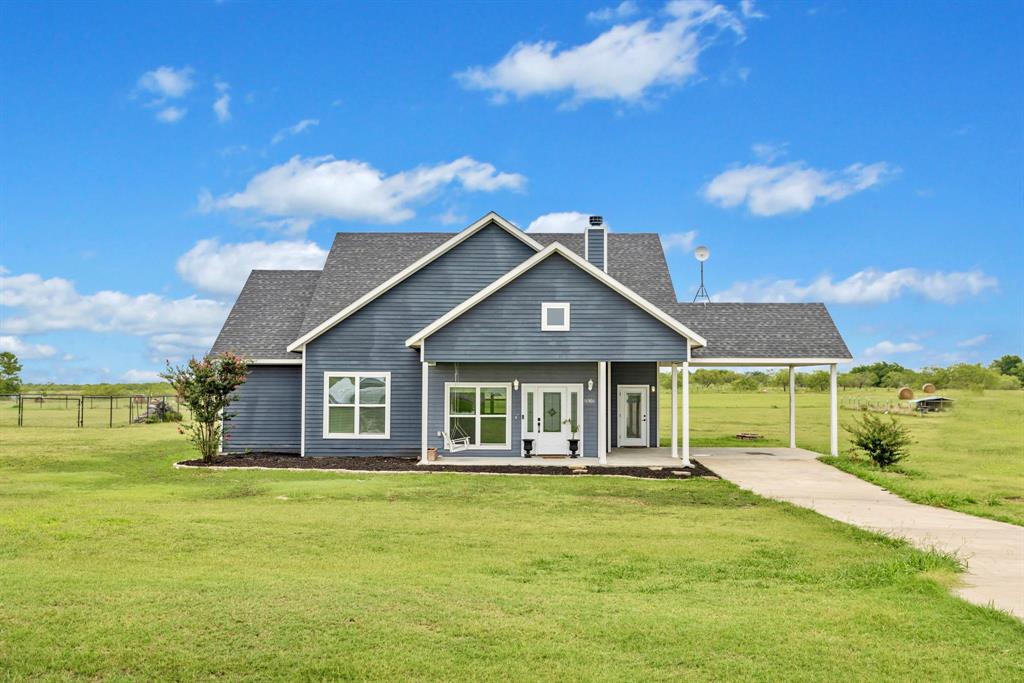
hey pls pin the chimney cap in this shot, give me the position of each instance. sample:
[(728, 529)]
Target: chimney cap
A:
[(596, 221)]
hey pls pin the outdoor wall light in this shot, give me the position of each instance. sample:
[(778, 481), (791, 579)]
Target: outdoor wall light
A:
[(652, 389), (515, 384), (590, 385)]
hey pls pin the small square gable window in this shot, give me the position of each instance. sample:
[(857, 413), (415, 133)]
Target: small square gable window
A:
[(554, 317)]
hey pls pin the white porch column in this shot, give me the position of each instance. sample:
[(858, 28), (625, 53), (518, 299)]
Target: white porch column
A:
[(675, 410), (686, 415), (833, 421), (425, 413), (792, 408), (602, 434)]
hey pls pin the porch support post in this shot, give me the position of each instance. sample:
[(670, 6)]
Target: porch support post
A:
[(425, 413), (686, 414), (792, 408), (602, 434), (833, 421), (675, 410)]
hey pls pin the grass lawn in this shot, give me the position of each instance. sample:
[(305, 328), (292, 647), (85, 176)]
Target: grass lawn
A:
[(970, 459), (116, 566)]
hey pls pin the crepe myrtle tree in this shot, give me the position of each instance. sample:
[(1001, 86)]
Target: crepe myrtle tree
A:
[(207, 387)]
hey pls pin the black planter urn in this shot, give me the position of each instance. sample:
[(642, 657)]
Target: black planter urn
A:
[(527, 447), (574, 448)]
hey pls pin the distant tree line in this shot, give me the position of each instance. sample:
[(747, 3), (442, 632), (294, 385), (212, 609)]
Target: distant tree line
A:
[(1004, 373)]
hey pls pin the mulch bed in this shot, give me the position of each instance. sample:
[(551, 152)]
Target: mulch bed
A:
[(392, 464)]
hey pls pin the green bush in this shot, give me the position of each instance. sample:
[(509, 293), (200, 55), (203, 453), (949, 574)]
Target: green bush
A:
[(885, 441)]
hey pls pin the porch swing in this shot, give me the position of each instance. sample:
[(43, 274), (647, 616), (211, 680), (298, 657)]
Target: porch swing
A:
[(461, 439)]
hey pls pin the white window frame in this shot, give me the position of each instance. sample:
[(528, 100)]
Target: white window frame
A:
[(547, 306), (358, 376), (448, 386)]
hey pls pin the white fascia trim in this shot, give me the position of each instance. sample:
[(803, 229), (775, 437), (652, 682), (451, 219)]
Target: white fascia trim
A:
[(767, 361), (416, 266), (275, 361), (525, 266)]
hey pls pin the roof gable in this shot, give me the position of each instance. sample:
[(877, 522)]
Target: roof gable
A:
[(344, 261), (555, 248)]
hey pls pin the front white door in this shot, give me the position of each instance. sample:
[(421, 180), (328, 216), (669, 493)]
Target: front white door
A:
[(632, 408), (548, 411)]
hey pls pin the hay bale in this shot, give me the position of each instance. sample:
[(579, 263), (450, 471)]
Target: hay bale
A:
[(928, 388), (906, 393)]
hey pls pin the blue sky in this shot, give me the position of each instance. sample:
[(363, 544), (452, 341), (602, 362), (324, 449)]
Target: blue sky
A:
[(863, 154)]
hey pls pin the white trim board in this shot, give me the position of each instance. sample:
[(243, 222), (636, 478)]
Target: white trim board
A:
[(796, 362), (274, 361), (489, 219), (524, 267)]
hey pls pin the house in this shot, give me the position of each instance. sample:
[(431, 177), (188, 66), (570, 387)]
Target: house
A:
[(416, 340)]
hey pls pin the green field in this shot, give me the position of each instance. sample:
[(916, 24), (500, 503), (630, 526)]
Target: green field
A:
[(114, 565), (969, 459)]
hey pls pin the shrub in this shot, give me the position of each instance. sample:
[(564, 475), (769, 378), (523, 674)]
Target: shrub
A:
[(207, 388), (885, 441), (744, 383)]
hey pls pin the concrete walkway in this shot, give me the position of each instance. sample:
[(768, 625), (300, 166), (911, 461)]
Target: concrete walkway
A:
[(993, 551)]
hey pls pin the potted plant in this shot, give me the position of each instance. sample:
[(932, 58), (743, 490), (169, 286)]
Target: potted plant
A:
[(574, 441), (527, 447)]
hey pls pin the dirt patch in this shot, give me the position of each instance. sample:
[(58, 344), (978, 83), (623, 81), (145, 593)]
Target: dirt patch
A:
[(392, 464)]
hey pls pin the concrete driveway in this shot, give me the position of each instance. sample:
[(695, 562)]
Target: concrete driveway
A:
[(993, 551)]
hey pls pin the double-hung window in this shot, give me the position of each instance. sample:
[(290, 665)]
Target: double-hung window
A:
[(357, 405), (479, 412)]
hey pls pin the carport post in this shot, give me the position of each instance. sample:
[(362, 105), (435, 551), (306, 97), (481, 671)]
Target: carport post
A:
[(675, 410), (833, 421), (792, 407), (686, 414)]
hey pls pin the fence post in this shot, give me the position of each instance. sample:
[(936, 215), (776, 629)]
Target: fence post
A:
[(21, 410), (111, 412)]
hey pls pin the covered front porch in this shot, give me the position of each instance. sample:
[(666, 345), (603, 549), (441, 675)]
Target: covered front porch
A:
[(540, 412)]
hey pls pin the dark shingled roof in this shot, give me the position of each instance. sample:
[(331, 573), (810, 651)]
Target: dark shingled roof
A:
[(276, 307), (267, 315), (737, 330), (359, 261)]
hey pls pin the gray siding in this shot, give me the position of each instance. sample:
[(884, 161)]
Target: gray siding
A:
[(506, 326), (636, 373), (374, 339), (596, 244), (526, 373), (267, 411)]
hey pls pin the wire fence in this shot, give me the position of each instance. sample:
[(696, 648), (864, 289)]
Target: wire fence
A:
[(49, 410)]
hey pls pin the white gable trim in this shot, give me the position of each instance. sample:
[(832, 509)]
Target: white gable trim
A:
[(274, 361), (586, 266), (418, 265)]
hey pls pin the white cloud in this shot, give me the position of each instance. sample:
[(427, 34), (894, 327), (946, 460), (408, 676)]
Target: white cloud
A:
[(749, 11), (174, 345), (868, 286), (973, 341), (288, 132), (452, 217), (166, 82), (171, 114), (44, 305), (888, 348), (772, 190), (222, 105), (224, 268), (25, 350), (142, 376), (325, 187), (682, 241), (620, 11), (769, 151), (560, 221), (624, 63)]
